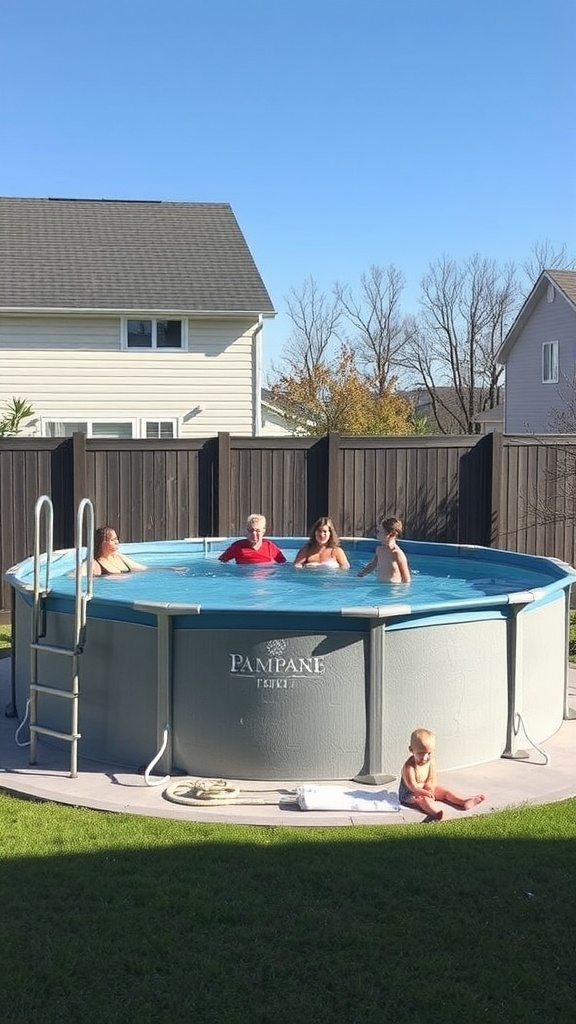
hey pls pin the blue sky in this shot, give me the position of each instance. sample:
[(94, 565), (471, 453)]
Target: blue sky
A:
[(343, 132)]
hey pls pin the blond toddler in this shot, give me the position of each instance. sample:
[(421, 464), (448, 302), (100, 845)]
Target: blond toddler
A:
[(419, 787)]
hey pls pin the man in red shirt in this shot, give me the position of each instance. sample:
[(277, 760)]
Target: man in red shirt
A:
[(254, 547)]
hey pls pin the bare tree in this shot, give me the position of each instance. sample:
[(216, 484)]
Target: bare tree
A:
[(545, 256), (315, 319), (377, 323), (450, 349)]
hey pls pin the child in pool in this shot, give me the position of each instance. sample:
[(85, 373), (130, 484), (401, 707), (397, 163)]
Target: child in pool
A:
[(389, 561), (419, 787)]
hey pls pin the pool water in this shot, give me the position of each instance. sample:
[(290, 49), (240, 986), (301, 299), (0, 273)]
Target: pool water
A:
[(201, 579)]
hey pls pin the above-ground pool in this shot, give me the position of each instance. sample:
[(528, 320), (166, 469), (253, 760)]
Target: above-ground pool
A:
[(275, 673)]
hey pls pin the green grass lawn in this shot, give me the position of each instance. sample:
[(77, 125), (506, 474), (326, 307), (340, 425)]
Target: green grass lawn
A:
[(113, 919)]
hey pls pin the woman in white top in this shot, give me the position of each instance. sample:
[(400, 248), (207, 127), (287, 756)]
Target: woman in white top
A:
[(323, 548)]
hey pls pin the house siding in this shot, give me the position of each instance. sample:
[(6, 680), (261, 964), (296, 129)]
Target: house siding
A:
[(73, 368), (530, 404), (274, 424)]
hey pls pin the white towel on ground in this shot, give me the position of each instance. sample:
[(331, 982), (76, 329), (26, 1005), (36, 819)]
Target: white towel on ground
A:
[(337, 798)]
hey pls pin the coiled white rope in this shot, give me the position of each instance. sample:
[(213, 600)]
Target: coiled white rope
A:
[(211, 793)]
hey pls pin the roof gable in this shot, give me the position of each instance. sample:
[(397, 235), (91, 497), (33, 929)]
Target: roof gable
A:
[(563, 280), (126, 255)]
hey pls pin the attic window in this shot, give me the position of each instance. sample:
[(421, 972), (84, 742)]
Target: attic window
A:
[(154, 334), (551, 293), (550, 362)]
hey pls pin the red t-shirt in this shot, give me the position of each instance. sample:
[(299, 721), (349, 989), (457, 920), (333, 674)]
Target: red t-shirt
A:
[(245, 554)]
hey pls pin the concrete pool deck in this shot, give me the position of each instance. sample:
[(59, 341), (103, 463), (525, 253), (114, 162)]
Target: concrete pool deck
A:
[(105, 787)]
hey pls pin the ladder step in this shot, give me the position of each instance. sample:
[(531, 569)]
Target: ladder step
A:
[(54, 732), (54, 690), (54, 649)]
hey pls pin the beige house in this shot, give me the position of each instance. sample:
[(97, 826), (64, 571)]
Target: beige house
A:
[(130, 319)]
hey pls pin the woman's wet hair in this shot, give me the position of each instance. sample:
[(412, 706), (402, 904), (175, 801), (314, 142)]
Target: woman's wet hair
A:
[(324, 521)]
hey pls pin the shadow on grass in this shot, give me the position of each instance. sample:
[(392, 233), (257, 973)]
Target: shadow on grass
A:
[(154, 921)]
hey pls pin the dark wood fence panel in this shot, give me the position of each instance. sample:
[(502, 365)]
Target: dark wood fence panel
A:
[(538, 496), (30, 467), (272, 476), (564, 491), (433, 484), (474, 497), (151, 490)]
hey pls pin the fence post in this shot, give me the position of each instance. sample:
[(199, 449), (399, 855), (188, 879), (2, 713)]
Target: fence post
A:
[(496, 490), (79, 475), (223, 472), (333, 475)]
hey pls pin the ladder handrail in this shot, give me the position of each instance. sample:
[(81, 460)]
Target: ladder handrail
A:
[(43, 504), (84, 517), (44, 501)]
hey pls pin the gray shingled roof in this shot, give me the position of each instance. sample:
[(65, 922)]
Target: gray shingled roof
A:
[(108, 254), (566, 280)]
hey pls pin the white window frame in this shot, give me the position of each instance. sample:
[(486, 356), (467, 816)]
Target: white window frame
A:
[(138, 425), (159, 419), (183, 347), (45, 420), (550, 362)]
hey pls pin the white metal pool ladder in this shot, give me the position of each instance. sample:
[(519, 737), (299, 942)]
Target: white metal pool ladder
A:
[(82, 596)]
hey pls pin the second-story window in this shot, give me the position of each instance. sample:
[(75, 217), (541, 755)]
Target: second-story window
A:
[(550, 362), (162, 334)]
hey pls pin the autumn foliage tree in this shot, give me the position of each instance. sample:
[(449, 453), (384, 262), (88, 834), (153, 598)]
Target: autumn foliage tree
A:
[(334, 396)]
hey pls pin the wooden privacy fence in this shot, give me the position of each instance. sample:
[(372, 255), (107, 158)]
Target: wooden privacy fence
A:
[(509, 492)]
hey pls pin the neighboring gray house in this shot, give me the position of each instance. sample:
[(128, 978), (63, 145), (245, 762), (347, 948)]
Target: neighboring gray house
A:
[(491, 421), (130, 319), (444, 415), (539, 353), (444, 422)]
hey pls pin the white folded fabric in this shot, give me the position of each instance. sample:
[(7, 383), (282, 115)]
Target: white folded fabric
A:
[(337, 798)]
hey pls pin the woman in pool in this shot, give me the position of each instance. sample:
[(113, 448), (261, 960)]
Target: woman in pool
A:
[(323, 548), (107, 559)]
